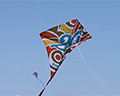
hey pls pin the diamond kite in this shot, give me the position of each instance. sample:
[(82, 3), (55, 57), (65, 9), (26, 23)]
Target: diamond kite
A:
[(60, 41)]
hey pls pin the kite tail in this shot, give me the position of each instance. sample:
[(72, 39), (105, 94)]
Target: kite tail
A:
[(45, 87)]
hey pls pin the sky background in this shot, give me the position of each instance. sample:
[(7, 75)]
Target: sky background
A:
[(22, 51)]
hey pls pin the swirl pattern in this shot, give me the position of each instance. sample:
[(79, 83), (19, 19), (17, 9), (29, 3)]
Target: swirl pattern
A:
[(61, 40)]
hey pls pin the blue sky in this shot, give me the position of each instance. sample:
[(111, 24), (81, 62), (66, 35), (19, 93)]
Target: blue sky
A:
[(22, 51)]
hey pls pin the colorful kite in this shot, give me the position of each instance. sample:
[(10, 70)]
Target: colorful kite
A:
[(35, 74), (60, 41)]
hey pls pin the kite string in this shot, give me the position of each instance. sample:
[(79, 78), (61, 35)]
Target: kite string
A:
[(41, 82), (93, 72)]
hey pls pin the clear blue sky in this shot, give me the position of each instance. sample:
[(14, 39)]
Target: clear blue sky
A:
[(22, 51)]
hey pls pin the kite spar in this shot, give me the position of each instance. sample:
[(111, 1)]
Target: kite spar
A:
[(60, 41)]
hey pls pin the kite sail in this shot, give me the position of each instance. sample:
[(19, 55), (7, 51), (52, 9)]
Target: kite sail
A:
[(60, 41)]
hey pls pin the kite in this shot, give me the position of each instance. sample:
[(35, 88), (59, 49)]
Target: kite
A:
[(36, 75), (60, 41)]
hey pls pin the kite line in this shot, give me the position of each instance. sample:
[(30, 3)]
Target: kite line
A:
[(40, 82), (93, 72)]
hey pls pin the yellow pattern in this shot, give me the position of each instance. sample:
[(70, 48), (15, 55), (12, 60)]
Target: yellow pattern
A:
[(66, 29), (47, 42)]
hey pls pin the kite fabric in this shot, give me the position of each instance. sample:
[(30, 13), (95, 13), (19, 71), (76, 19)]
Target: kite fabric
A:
[(35, 74), (60, 41)]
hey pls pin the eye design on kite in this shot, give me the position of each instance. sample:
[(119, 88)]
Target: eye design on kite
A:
[(56, 56)]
